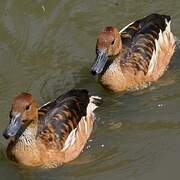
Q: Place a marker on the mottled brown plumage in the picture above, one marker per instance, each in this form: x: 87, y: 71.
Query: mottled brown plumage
x: 136, y: 55
x: 53, y: 134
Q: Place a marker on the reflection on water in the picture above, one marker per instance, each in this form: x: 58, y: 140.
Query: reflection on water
x: 47, y: 47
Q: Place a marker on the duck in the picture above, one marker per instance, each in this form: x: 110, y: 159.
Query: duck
x: 136, y: 56
x: 53, y: 134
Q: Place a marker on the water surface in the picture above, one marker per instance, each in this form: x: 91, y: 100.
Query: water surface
x: 47, y: 47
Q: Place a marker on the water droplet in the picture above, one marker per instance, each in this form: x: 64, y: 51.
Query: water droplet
x: 102, y: 145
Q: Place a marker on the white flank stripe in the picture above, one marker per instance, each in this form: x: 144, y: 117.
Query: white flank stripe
x: 79, y: 126
x: 74, y: 133
x: 152, y: 63
x: 172, y: 38
x: 70, y: 139
x: 165, y: 38
x: 85, y: 124
x: 161, y: 37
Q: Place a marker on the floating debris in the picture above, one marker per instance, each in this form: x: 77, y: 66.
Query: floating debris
x: 43, y: 8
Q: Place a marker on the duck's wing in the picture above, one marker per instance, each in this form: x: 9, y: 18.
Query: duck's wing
x: 147, y: 39
x: 148, y: 24
x: 60, y: 117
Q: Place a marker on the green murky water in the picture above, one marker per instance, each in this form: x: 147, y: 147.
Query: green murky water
x: 47, y: 47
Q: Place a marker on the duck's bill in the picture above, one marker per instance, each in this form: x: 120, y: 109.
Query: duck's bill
x: 100, y: 62
x: 13, y: 127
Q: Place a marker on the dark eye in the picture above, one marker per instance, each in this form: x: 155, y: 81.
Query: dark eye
x: 112, y: 42
x: 27, y: 107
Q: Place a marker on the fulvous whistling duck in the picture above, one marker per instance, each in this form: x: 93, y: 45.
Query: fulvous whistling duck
x: 135, y: 56
x: 53, y: 134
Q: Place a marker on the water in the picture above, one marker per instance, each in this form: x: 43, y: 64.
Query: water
x: 47, y: 47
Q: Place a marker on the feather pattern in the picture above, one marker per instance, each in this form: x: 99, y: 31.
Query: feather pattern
x: 61, y: 117
x: 145, y: 37
x: 135, y: 56
x: 55, y: 133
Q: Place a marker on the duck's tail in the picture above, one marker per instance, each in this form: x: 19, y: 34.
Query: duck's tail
x: 94, y: 102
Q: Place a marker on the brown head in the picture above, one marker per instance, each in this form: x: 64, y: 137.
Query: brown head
x: 108, y: 44
x: 23, y: 112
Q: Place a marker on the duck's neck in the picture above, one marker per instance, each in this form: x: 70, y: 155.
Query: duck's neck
x: 113, y: 77
x: 25, y: 149
x: 28, y: 137
x: 27, y: 140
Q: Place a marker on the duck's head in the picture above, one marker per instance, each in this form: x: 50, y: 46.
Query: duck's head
x: 108, y: 45
x: 23, y: 112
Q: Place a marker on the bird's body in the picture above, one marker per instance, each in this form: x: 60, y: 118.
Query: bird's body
x: 53, y: 134
x: 135, y: 56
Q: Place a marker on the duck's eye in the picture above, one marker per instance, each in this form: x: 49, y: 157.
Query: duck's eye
x: 112, y: 42
x: 27, y: 107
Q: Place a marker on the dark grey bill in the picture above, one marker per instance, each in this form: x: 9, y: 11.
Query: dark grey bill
x: 14, y: 126
x: 100, y: 62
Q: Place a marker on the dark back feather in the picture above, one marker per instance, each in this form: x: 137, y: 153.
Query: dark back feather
x: 58, y: 118
x: 139, y: 38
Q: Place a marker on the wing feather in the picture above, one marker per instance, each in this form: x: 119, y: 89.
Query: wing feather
x: 61, y: 117
x: 143, y: 40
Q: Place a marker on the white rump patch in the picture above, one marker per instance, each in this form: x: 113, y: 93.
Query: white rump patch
x: 125, y: 27
x: 168, y: 27
x: 92, y: 105
x: 164, y: 39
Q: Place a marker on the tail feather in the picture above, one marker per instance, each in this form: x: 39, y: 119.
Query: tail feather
x: 94, y: 102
